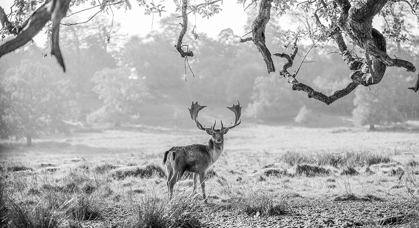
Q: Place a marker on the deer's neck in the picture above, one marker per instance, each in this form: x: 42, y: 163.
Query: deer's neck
x: 215, y: 150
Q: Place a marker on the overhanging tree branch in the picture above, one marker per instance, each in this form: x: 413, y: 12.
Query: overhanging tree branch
x: 179, y: 45
x: 60, y: 8
x: 296, y: 85
x: 34, y: 24
x: 258, y: 32
x: 358, y: 25
x: 53, y: 10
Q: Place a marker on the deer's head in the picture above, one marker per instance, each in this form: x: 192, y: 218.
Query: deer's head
x: 216, y: 134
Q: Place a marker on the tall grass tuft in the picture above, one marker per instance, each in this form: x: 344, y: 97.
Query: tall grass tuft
x: 259, y: 203
x: 83, y: 208
x: 184, y: 213
x: 152, y: 213
x: 155, y: 212
x: 4, y: 220
x: 15, y: 215
x: 20, y: 216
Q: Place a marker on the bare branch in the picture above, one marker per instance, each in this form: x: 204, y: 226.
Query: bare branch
x: 183, y: 54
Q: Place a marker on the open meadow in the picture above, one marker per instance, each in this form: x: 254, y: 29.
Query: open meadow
x: 268, y: 176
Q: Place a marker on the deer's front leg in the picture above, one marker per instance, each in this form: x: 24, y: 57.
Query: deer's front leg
x: 202, y: 180
x: 195, y: 180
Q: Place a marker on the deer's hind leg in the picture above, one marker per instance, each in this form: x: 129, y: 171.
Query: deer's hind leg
x: 169, y: 178
x: 171, y: 183
x: 177, y: 174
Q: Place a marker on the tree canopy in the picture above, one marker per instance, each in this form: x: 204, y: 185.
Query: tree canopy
x: 33, y: 101
x: 336, y: 22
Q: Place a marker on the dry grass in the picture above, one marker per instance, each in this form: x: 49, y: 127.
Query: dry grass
x: 153, y: 211
x: 116, y: 177
x: 351, y: 159
x: 259, y: 203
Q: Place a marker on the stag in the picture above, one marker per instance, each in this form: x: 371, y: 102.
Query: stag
x: 197, y: 158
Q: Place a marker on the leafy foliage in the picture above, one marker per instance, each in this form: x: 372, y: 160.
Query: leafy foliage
x: 378, y: 105
x: 33, y: 99
x: 122, y: 92
x: 272, y: 100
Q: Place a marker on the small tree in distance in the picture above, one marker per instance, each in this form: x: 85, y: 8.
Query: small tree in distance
x: 377, y: 105
x: 122, y: 93
x: 32, y: 101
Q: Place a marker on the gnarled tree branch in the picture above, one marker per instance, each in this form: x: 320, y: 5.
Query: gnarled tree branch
x: 178, y: 46
x: 34, y: 24
x: 296, y: 85
x: 258, y: 31
x: 356, y: 21
x: 60, y: 8
x: 53, y: 10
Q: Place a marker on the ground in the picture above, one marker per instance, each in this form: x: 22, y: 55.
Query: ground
x: 286, y: 175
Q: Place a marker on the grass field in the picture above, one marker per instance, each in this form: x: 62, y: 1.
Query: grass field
x: 115, y: 178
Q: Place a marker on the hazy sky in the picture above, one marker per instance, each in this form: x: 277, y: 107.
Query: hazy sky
x: 134, y: 22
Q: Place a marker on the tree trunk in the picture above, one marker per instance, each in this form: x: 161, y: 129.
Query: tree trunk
x: 372, y: 127
x: 28, y: 140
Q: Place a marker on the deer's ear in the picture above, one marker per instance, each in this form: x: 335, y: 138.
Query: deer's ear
x: 209, y: 131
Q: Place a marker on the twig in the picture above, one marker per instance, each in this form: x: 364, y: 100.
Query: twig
x: 78, y: 23
x: 186, y: 62
x: 203, y: 4
x: 190, y: 68
x: 82, y: 10
x: 408, y: 3
x: 109, y: 33
x: 309, y: 2
x: 305, y: 56
x: 245, y: 8
x: 116, y: 3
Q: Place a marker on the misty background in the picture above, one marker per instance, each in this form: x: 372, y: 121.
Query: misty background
x: 114, y: 79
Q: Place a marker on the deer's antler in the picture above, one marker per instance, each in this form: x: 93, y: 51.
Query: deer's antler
x: 237, y: 109
x: 195, y: 108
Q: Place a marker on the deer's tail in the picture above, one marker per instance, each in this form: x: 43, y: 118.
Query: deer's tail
x: 166, y: 153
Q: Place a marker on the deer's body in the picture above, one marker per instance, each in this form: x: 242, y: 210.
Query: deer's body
x: 193, y: 158
x: 196, y: 158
